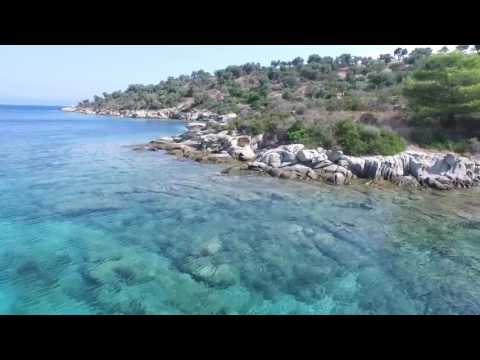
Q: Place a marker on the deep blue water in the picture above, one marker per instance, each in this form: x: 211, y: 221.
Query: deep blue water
x: 88, y: 226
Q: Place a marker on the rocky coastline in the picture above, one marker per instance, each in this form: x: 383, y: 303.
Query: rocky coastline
x: 209, y: 139
x: 178, y: 113
x: 206, y: 142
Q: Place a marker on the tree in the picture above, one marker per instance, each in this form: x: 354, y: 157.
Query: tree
x: 379, y: 79
x: 418, y: 54
x: 290, y: 81
x: 386, y: 57
x: 375, y: 66
x: 344, y: 60
x: 443, y: 49
x: 400, y: 53
x: 444, y: 86
x: 275, y: 63
x: 328, y: 60
x: 221, y: 74
x: 462, y: 48
x: 308, y: 72
x: 249, y: 68
x: 235, y: 70
x: 314, y: 58
x: 366, y: 60
x: 200, y: 75
x: 297, y: 62
x: 477, y: 48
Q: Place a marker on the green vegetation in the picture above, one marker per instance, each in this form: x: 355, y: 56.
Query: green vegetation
x: 447, y: 85
x: 310, y: 136
x: 445, y: 140
x: 353, y: 138
x: 356, y: 139
x: 274, y: 88
x: 305, y: 100
x: 271, y: 123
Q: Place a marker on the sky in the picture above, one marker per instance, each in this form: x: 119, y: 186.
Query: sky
x: 65, y: 75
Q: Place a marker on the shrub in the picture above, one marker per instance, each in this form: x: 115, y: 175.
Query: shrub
x: 356, y: 139
x: 333, y: 104
x: 353, y: 103
x: 348, y: 103
x: 318, y: 136
x: 287, y: 95
x: 309, y: 73
x: 320, y: 93
x: 300, y: 109
x: 260, y: 124
x: 290, y: 81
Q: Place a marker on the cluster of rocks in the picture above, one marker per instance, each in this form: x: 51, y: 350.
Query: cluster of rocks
x: 295, y: 162
x: 167, y: 113
x: 203, y: 142
x: 409, y: 168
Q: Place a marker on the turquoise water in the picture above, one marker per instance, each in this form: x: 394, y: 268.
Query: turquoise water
x: 88, y: 226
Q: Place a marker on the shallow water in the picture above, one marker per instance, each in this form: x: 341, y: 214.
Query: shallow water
x: 88, y: 226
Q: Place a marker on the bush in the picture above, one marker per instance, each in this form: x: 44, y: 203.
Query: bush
x: 300, y: 109
x: 260, y: 124
x: 290, y: 81
x: 353, y: 103
x: 333, y: 104
x: 287, y: 95
x: 347, y: 103
x: 356, y: 139
x: 309, y: 73
x: 228, y: 107
x: 318, y: 136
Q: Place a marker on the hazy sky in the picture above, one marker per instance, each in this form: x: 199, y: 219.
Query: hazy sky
x: 64, y: 75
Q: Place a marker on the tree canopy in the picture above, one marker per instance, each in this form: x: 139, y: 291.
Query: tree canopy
x: 447, y: 84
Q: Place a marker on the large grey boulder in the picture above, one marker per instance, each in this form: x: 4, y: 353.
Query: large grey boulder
x: 297, y: 172
x: 441, y: 171
x: 335, y: 174
x: 334, y: 155
x: 307, y: 155
x: 244, y: 153
x: 285, y: 155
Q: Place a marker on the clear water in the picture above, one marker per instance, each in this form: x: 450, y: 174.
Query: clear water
x: 88, y: 226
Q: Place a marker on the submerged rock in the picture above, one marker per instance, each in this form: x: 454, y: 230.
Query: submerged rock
x: 211, y: 247
x: 202, y: 269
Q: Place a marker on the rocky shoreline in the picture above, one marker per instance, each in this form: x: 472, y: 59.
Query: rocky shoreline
x: 205, y: 142
x: 208, y: 139
x: 178, y: 113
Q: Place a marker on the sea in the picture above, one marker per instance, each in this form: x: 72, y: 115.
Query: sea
x: 90, y: 226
